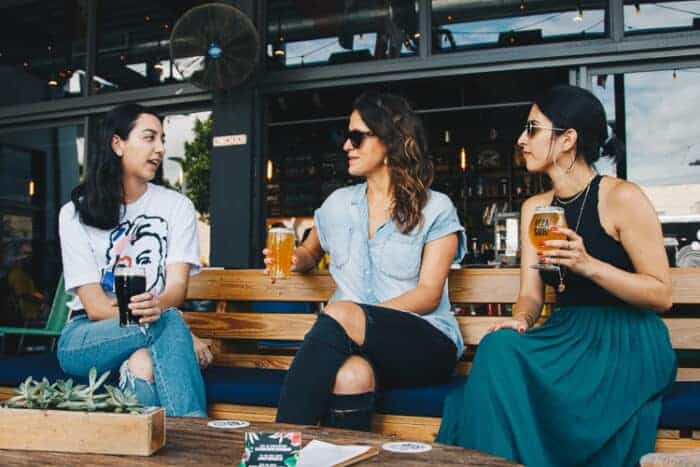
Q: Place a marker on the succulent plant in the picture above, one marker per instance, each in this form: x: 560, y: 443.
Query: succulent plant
x: 64, y: 395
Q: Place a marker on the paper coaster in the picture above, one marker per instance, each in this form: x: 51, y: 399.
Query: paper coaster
x: 406, y: 447
x: 228, y: 424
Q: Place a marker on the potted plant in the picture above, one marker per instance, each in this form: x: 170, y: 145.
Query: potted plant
x: 68, y: 417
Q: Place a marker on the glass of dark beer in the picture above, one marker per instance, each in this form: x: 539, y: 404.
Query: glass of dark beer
x: 128, y: 282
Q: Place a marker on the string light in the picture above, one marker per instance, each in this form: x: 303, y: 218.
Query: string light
x: 31, y: 188
x: 579, y: 15
x: 675, y: 75
x: 269, y: 170
x: 637, y: 8
x: 522, y: 6
x: 53, y: 82
x: 463, y: 159
x: 278, y: 45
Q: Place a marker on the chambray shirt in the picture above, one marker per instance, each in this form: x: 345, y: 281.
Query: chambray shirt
x: 373, y: 271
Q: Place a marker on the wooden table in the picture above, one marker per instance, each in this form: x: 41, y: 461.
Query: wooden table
x: 189, y: 441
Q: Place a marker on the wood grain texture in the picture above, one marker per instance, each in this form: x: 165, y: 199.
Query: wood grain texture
x: 235, y: 325
x: 191, y: 442
x: 82, y: 432
x: 269, y: 362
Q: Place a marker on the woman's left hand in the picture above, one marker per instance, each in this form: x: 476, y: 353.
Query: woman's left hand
x: 202, y: 351
x: 146, y: 307
x: 570, y: 253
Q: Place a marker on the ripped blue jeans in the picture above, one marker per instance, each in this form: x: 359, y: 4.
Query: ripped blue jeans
x: 177, y: 380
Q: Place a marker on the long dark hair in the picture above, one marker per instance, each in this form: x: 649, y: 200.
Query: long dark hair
x: 577, y: 108
x: 99, y: 199
x: 392, y: 119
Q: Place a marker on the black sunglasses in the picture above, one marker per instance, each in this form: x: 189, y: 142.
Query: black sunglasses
x: 357, y: 137
x: 532, y: 126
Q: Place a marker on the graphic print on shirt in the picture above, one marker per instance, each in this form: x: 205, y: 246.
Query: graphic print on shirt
x: 140, y: 242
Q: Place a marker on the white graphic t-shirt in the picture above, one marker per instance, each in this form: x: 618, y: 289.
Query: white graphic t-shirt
x: 158, y: 229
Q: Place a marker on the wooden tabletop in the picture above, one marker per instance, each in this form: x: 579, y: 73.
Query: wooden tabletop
x: 189, y: 441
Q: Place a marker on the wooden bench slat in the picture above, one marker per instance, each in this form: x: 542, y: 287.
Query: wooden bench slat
x: 283, y: 326
x: 268, y: 362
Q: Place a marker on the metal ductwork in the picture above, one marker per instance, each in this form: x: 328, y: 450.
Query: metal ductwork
x: 373, y: 19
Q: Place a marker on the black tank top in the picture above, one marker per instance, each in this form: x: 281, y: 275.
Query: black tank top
x: 600, y: 245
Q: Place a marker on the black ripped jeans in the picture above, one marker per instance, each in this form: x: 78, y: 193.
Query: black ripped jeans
x: 403, y: 349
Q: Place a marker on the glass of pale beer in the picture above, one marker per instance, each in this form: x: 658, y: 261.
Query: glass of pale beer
x: 280, y: 247
x: 540, y: 231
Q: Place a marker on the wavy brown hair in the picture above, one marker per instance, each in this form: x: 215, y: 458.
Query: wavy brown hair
x: 394, y: 122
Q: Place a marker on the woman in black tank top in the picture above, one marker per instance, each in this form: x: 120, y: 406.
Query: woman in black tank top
x: 559, y: 394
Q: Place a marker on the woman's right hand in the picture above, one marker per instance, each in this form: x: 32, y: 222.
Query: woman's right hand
x: 519, y: 325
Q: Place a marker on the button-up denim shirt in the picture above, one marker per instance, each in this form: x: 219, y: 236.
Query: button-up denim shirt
x: 374, y: 271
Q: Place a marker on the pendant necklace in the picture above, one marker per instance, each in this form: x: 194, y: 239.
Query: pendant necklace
x: 562, y: 287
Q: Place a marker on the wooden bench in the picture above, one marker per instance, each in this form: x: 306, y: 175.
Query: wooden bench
x: 233, y: 330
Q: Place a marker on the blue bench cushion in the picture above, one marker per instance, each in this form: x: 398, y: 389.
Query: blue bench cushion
x: 252, y: 386
x: 14, y: 369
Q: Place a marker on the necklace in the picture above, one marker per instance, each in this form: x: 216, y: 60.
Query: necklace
x: 562, y: 287
x: 577, y: 195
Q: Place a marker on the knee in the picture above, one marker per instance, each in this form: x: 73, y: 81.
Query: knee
x: 345, y: 313
x: 140, y: 365
x: 354, y: 377
x: 498, y: 342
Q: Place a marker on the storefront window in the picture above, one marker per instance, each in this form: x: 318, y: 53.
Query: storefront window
x: 312, y: 33
x: 662, y: 146
x: 133, y: 45
x: 38, y: 169
x: 643, y: 17
x: 463, y: 25
x: 186, y: 167
x: 42, y: 51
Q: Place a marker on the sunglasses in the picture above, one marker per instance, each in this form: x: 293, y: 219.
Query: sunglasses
x: 533, y: 126
x: 357, y: 137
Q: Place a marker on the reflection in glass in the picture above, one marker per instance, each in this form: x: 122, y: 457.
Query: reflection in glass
x: 42, y: 50
x: 38, y: 169
x: 662, y: 142
x: 462, y: 24
x: 133, y: 44
x: 661, y: 15
x: 181, y: 132
x: 307, y: 33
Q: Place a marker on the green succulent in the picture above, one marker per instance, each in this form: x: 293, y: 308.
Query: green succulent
x: 64, y: 395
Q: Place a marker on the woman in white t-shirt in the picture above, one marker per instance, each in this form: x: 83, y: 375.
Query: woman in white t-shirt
x: 117, y: 218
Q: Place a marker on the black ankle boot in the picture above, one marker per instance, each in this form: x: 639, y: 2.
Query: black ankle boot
x: 352, y: 412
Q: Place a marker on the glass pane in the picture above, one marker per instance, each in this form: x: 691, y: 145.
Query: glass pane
x: 604, y: 89
x: 662, y: 15
x: 462, y: 25
x: 312, y: 33
x: 42, y: 50
x: 38, y: 169
x: 133, y: 44
x: 662, y: 123
x: 187, y: 151
x: 660, y: 127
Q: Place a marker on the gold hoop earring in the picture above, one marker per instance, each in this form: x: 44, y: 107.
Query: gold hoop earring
x: 386, y: 161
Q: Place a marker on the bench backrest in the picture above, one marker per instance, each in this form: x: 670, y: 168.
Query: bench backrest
x: 233, y: 320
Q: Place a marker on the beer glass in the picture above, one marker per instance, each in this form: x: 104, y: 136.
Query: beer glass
x: 128, y: 282
x: 539, y: 231
x: 280, y: 247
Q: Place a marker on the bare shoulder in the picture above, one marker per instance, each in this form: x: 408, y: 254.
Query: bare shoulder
x: 622, y: 193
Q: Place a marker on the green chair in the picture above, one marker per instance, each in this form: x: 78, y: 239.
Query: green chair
x: 54, y: 323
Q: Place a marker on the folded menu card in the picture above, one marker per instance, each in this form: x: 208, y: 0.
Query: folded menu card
x: 321, y: 454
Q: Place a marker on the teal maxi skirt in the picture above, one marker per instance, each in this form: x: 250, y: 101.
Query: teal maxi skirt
x: 584, y: 389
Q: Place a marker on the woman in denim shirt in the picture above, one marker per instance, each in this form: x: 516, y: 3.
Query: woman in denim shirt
x: 391, y: 241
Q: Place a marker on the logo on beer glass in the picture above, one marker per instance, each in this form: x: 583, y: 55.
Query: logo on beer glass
x: 545, y: 217
x: 280, y: 246
x: 128, y: 281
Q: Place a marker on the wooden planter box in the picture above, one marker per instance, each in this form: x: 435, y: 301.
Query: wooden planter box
x: 82, y: 432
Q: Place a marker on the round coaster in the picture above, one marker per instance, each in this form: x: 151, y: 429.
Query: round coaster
x: 228, y: 424
x: 406, y: 447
